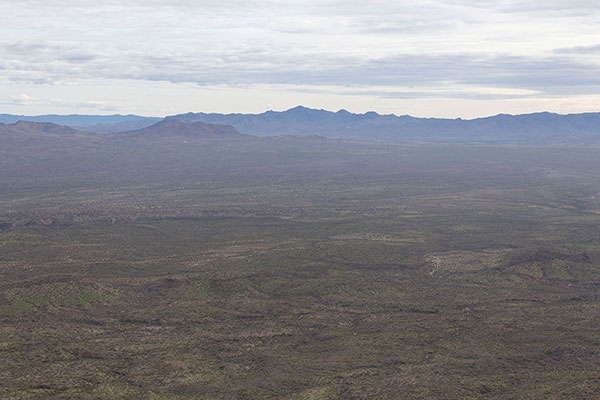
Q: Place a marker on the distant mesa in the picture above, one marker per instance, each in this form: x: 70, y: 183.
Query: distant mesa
x: 28, y: 127
x: 166, y: 128
x: 190, y: 129
x: 88, y: 123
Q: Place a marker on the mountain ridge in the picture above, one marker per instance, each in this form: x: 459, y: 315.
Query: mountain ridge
x: 29, y: 127
x: 501, y: 128
x: 165, y: 128
x: 91, y: 123
x: 539, y: 128
x: 185, y: 128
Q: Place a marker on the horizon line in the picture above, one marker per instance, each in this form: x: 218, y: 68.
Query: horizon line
x: 341, y: 110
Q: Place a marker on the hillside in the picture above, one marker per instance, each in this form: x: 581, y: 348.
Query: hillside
x: 42, y: 151
x: 24, y: 128
x: 185, y: 128
x: 90, y: 123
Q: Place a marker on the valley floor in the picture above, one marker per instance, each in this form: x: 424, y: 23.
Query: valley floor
x: 360, y: 272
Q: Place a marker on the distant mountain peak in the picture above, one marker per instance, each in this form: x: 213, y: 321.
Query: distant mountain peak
x: 302, y: 110
x: 299, y: 108
x: 543, y: 128
x: 170, y: 127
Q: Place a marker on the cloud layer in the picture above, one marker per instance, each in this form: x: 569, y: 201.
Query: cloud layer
x: 453, y: 49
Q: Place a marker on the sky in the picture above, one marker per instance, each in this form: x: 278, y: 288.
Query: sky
x: 428, y: 58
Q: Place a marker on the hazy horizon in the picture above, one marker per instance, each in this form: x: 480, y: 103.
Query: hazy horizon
x: 107, y: 114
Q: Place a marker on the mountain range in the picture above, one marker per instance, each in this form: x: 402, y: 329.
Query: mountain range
x: 527, y: 129
x: 90, y: 123
x: 538, y: 128
x: 164, y: 129
x: 43, y: 150
x: 189, y: 129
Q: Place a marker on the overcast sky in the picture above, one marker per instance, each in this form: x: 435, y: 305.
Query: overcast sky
x: 445, y: 58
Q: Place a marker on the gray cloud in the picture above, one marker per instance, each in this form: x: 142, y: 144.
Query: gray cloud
x: 595, y: 49
x: 43, y: 63
x: 427, y: 48
x: 564, y: 7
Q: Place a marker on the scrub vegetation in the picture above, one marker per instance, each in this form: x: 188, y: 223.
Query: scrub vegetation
x: 305, y: 269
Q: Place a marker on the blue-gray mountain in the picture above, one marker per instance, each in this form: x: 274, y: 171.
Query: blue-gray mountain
x: 539, y: 128
x: 527, y: 129
x: 89, y: 123
x: 164, y: 129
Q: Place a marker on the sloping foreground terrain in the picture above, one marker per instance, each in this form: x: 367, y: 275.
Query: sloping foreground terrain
x: 177, y: 267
